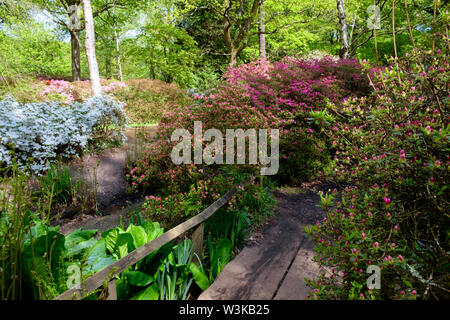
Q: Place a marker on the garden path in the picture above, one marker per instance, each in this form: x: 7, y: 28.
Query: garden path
x: 275, y: 266
x: 110, y: 172
x: 111, y: 184
x: 272, y: 266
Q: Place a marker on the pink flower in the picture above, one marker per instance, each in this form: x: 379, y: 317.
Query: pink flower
x: 387, y: 200
x: 376, y: 245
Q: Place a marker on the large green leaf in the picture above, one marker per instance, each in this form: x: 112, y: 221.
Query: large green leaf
x: 139, y: 235
x: 38, y: 229
x: 138, y: 278
x: 149, y: 293
x: 110, y: 237
x: 199, y: 276
x: 97, y: 258
x: 124, y: 244
x: 152, y: 229
x: 78, y: 236
x: 79, y: 248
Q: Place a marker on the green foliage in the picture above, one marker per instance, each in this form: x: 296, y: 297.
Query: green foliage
x: 28, y: 48
x: 219, y: 256
x: 393, y: 148
x: 147, y: 100
x: 58, y: 185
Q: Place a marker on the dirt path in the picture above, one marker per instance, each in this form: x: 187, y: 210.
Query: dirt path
x: 110, y: 173
x: 275, y: 267
x: 112, y: 199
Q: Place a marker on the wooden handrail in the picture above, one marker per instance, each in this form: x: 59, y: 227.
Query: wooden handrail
x: 110, y: 272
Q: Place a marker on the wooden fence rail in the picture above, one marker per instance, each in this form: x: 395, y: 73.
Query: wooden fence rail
x: 108, y: 274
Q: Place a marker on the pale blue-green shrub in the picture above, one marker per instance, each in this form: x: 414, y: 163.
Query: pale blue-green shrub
x: 35, y: 134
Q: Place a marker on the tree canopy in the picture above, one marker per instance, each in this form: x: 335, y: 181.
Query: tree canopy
x: 193, y: 42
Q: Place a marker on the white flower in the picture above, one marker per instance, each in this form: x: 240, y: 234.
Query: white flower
x: 40, y: 130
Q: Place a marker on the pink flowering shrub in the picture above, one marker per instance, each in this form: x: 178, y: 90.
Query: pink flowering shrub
x: 393, y: 148
x: 68, y: 92
x: 173, y: 209
x: 280, y: 96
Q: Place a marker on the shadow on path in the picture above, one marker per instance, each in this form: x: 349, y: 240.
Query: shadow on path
x: 276, y: 267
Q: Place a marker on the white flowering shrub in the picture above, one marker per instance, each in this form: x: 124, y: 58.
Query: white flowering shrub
x: 35, y: 134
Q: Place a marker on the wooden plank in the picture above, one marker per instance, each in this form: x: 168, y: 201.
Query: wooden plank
x: 96, y: 280
x: 112, y: 290
x: 197, y: 242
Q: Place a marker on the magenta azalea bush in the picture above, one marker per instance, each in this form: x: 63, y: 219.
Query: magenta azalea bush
x: 285, y: 95
x: 392, y: 147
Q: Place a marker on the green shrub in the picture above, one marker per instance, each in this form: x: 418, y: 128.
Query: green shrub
x: 147, y: 100
x: 393, y: 148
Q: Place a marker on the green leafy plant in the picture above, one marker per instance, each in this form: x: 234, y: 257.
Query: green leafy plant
x: 392, y: 147
x: 58, y: 183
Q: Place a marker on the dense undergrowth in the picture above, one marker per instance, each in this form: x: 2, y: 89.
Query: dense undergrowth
x: 393, y: 147
x: 38, y: 262
x: 144, y: 100
x: 383, y: 133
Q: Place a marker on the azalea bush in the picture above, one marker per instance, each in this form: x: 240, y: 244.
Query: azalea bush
x: 173, y: 209
x: 284, y: 95
x: 35, y: 134
x: 68, y: 92
x: 393, y: 148
x: 147, y: 100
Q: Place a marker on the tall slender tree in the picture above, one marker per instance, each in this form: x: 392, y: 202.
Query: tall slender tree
x: 262, y: 31
x: 90, y: 49
x: 66, y: 13
x: 343, y: 30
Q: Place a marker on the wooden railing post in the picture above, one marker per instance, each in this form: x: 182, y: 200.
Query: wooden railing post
x: 197, y: 242
x: 110, y: 272
x: 112, y: 290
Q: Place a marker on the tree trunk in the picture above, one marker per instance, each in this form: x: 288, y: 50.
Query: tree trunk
x: 76, y: 58
x: 233, y: 58
x: 119, y: 63
x: 108, y: 65
x: 90, y: 49
x: 375, y: 32
x: 74, y: 30
x: 344, y: 52
x: 238, y: 43
x: 262, y: 32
